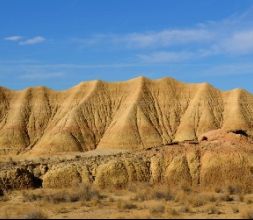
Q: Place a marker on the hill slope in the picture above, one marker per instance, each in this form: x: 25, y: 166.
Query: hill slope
x: 135, y: 114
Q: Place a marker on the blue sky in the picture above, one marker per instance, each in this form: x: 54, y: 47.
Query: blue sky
x: 59, y: 43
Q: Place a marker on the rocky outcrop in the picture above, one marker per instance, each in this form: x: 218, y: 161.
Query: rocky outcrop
x: 208, y: 164
x: 119, y: 173
x: 221, y: 159
x: 18, y: 178
x: 66, y: 176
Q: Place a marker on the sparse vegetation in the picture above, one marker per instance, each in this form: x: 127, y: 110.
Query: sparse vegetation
x: 35, y: 214
x: 157, y: 209
x: 125, y: 205
x: 81, y: 193
x: 211, y: 210
x: 172, y: 211
x: 235, y: 209
x: 226, y: 198
x: 160, y: 192
x: 184, y: 209
x: 182, y: 204
x: 247, y: 213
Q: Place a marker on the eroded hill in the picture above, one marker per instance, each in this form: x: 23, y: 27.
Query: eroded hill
x: 135, y: 114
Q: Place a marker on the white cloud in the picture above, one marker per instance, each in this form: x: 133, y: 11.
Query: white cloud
x: 41, y: 75
x: 234, y: 69
x: 32, y: 41
x: 238, y: 43
x: 232, y: 36
x: 13, y: 38
x: 165, y: 57
x: 164, y: 38
x: 168, y: 38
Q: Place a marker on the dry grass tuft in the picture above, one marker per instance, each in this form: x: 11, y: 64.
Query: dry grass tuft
x: 35, y: 214
x: 226, y: 198
x: 249, y: 201
x: 81, y: 193
x: 4, y: 197
x: 247, y: 214
x: 184, y: 209
x: 232, y: 190
x: 235, y: 209
x: 171, y: 211
x: 211, y: 210
x: 161, y: 192
x: 157, y: 209
x: 125, y: 205
x: 197, y: 200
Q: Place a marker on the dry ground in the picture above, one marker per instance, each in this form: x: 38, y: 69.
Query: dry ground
x: 136, y: 201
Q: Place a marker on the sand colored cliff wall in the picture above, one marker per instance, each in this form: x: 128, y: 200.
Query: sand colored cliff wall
x: 135, y: 114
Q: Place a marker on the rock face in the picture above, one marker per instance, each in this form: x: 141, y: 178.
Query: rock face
x: 208, y: 164
x: 118, y: 173
x: 18, y: 178
x: 135, y: 114
x: 66, y: 176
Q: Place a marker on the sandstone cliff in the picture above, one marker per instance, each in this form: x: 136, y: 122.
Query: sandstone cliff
x: 135, y: 114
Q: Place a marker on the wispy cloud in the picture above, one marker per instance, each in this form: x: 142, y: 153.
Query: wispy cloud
x: 41, y: 75
x: 26, y: 41
x: 240, y: 42
x: 234, y: 69
x: 165, y: 57
x: 232, y: 36
x: 159, y: 39
x: 32, y: 41
x: 13, y: 38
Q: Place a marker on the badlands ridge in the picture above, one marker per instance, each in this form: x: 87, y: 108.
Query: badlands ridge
x: 132, y: 115
x: 170, y: 132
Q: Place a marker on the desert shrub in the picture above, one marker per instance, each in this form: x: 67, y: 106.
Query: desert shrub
x: 218, y: 190
x: 184, y: 209
x: 137, y: 186
x: 197, y: 200
x: 247, y: 214
x: 31, y: 196
x: 81, y: 193
x: 211, y: 210
x: 157, y: 209
x: 186, y: 188
x: 154, y: 193
x: 233, y: 190
x: 1, y: 192
x: 4, y: 196
x: 241, y: 197
x: 226, y: 198
x: 249, y: 201
x: 111, y: 200
x: 181, y: 197
x: 35, y: 214
x: 125, y: 205
x: 171, y: 211
x: 235, y: 209
x: 212, y: 198
x: 11, y: 161
x: 162, y: 194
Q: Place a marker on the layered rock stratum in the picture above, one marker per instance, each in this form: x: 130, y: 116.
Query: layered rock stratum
x: 223, y: 159
x: 136, y: 114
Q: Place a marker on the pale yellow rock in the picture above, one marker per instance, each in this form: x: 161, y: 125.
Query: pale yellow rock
x: 134, y: 114
x: 118, y: 173
x: 178, y: 172
x: 226, y: 169
x: 66, y: 176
